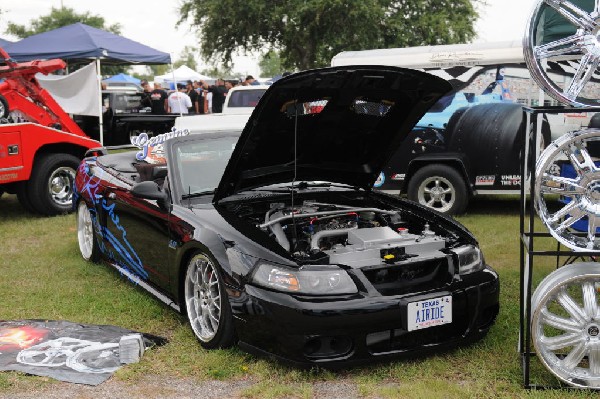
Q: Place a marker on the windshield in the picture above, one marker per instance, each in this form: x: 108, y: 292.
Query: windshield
x: 202, y: 163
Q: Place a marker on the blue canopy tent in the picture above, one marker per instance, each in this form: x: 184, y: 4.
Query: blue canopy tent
x: 79, y: 43
x: 4, y: 43
x: 122, y: 77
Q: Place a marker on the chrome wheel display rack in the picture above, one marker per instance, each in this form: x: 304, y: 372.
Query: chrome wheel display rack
x: 529, y: 237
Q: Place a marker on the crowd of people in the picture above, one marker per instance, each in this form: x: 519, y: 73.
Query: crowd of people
x: 194, y: 97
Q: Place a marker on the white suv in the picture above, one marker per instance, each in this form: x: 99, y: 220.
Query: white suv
x: 243, y: 99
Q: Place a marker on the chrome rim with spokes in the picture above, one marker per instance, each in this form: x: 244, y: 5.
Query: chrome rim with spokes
x: 580, y: 51
x: 60, y: 185
x: 203, y: 297
x: 85, y: 231
x: 437, y: 192
x: 580, y: 193
x: 565, y: 325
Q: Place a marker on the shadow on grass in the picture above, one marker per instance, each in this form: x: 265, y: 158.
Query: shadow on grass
x: 492, y: 204
x: 12, y: 211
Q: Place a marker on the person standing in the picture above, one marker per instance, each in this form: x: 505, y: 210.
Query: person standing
x: 158, y: 98
x: 178, y: 101
x: 193, y: 95
x: 218, y: 95
x: 145, y: 101
x: 250, y: 81
x: 200, y: 99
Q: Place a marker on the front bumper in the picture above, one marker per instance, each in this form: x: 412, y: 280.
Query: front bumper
x: 335, y: 332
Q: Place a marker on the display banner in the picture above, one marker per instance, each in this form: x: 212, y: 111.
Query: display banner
x: 77, y: 93
x: 79, y: 353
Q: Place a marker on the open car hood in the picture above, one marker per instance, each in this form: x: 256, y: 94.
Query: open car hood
x: 341, y: 125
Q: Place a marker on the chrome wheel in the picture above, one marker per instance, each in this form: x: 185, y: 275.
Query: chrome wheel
x: 579, y: 190
x: 85, y: 233
x: 565, y: 324
x: 203, y: 297
x: 577, y: 52
x: 438, y: 193
x: 60, y: 185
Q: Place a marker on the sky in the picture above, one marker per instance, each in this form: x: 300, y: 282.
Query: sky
x: 153, y: 22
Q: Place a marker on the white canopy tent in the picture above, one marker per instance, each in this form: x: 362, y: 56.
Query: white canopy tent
x: 181, y: 75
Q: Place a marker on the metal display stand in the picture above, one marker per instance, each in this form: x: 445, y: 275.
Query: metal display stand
x: 528, y: 235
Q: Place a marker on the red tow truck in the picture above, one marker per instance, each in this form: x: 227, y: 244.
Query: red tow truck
x: 40, y: 145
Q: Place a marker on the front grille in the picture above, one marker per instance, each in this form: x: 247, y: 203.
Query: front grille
x: 410, y: 277
x: 401, y: 340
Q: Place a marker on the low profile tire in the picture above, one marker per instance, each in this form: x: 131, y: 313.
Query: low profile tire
x: 3, y: 107
x: 565, y: 324
x: 439, y: 187
x: 50, y: 188
x: 86, y: 235
x: 206, y: 303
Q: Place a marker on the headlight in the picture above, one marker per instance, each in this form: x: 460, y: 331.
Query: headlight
x: 312, y: 280
x: 469, y: 259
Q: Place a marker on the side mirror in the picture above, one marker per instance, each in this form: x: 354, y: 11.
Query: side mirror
x: 149, y: 190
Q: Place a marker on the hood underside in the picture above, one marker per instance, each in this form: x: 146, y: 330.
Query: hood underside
x: 336, y: 124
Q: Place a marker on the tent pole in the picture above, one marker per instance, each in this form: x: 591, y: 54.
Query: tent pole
x: 100, y: 119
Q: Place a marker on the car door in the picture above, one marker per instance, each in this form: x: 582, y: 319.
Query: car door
x: 138, y: 232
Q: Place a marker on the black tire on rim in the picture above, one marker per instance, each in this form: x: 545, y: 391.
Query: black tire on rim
x: 3, y: 107
x: 50, y: 187
x: 206, y: 304
x: 440, y: 187
x: 86, y: 234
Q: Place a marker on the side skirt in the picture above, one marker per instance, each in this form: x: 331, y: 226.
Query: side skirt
x: 138, y: 281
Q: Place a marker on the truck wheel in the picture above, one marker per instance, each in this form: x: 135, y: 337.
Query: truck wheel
x: 439, y: 187
x: 3, y: 107
x: 50, y: 188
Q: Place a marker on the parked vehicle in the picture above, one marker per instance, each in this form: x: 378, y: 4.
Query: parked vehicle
x: 243, y: 99
x: 125, y: 117
x: 276, y: 239
x: 40, y: 145
x: 470, y: 142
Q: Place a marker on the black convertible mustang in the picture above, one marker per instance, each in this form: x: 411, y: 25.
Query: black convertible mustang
x: 274, y: 239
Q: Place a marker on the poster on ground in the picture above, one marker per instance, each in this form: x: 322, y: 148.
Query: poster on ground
x: 71, y: 352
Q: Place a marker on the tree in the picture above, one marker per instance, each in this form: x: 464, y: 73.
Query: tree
x: 309, y: 33
x: 219, y: 71
x: 57, y: 18
x: 270, y: 64
x: 187, y: 57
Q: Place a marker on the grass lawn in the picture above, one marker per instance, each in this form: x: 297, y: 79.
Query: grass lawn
x: 44, y: 277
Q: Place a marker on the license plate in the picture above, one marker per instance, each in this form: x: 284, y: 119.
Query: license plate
x: 429, y: 313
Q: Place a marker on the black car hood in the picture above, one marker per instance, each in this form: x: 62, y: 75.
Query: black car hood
x: 340, y: 124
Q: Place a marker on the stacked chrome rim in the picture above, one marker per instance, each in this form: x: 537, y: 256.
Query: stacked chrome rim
x: 565, y: 320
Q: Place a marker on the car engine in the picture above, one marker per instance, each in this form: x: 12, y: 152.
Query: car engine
x: 354, y: 236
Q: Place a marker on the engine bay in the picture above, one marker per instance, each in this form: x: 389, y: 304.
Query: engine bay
x: 356, y: 236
